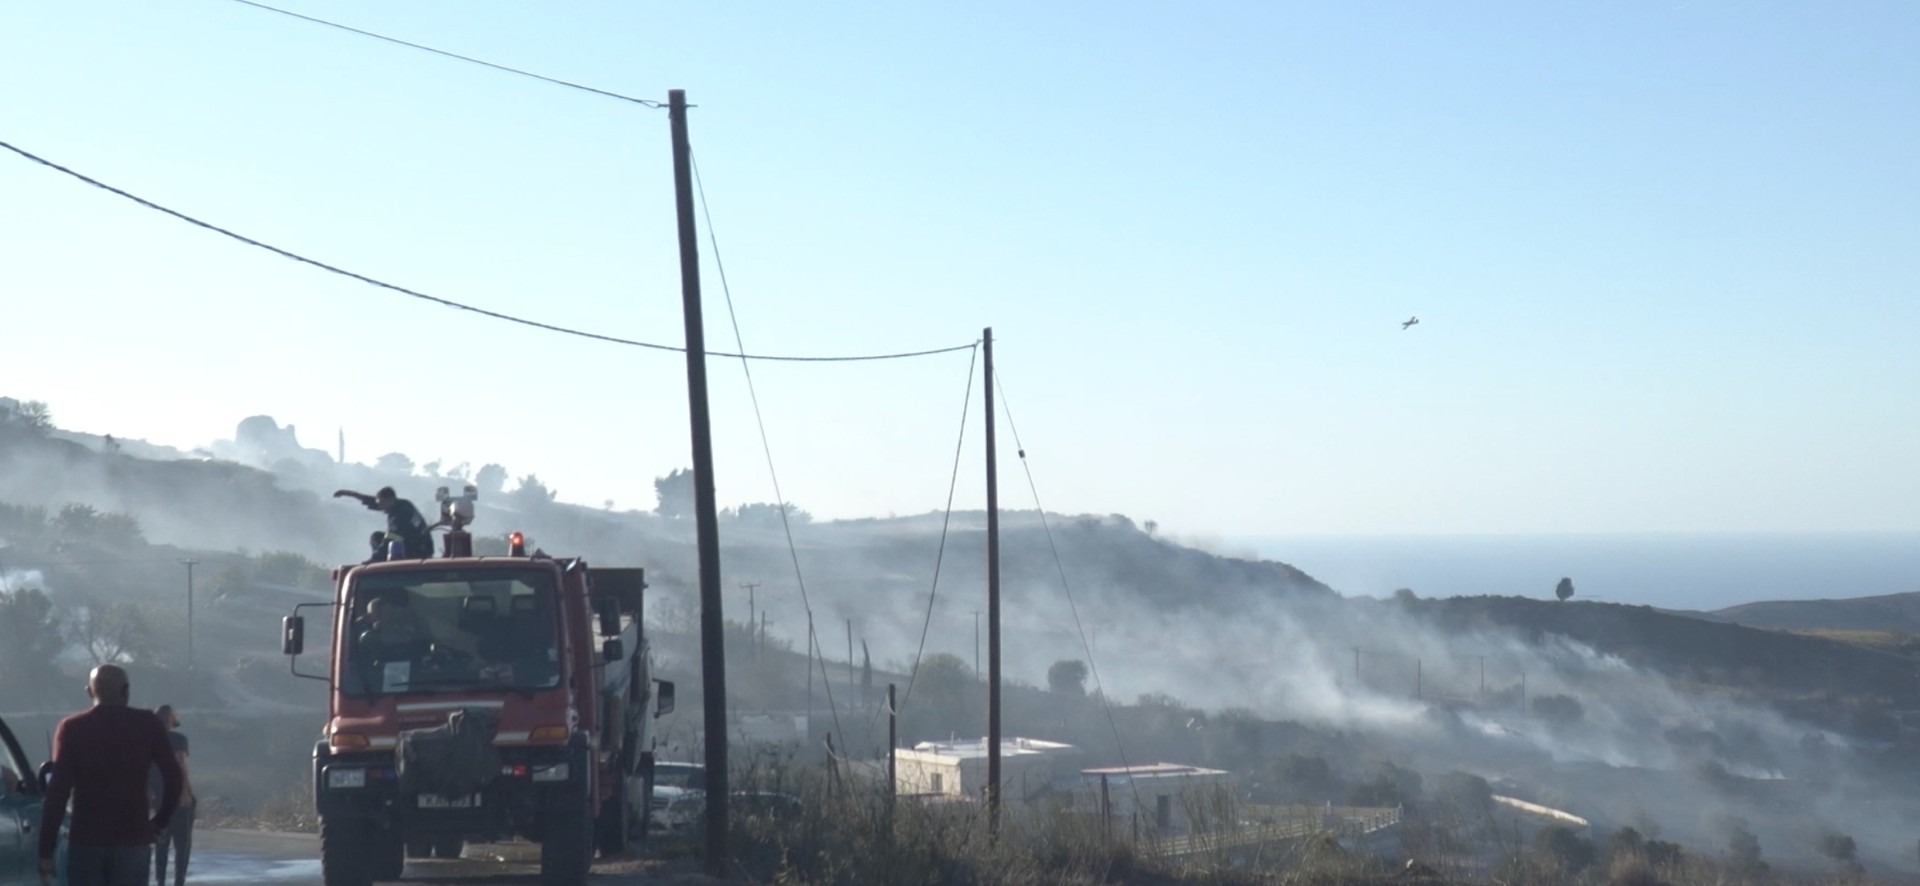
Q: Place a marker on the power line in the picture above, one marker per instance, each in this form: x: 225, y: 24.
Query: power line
x: 966, y: 403
x: 644, y: 102
x: 523, y: 321
x: 780, y: 499
x: 1099, y: 687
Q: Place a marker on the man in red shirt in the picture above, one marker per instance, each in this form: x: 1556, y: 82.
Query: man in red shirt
x: 100, y: 760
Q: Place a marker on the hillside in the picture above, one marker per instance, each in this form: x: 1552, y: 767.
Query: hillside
x: 1888, y: 612
x: 1695, y: 650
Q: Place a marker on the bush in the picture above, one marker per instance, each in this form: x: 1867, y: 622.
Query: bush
x: 1572, y: 852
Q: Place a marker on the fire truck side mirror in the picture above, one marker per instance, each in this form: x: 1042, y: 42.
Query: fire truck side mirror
x: 663, y: 698
x: 293, y: 635
x: 612, y: 650
x: 608, y: 609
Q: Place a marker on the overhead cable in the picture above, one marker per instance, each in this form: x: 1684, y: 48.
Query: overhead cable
x: 449, y: 303
x: 940, y: 554
x: 780, y: 499
x: 1041, y: 509
x: 644, y: 102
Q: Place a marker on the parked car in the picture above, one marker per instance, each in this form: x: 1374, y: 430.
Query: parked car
x: 20, y: 794
x: 679, y: 798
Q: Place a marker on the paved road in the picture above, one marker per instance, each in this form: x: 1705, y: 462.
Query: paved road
x: 221, y: 856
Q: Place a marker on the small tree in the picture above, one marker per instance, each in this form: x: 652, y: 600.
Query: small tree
x: 675, y: 494
x: 491, y: 479
x: 35, y: 416
x: 394, y: 462
x: 1068, y: 676
x: 1564, y: 589
x: 111, y: 633
x: 1572, y: 852
x: 531, y: 493
x: 31, y: 635
x: 1559, y: 710
x: 1842, y: 849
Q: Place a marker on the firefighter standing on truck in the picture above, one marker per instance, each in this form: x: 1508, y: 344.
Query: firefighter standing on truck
x: 404, y: 522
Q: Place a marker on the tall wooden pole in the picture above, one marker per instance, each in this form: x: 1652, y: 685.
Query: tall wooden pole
x: 993, y: 599
x: 893, y: 742
x: 713, y: 657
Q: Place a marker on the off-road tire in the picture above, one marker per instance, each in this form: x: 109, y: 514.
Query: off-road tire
x: 612, y: 826
x: 346, y: 850
x: 566, y: 847
x: 419, y: 847
x: 448, y: 847
x: 389, y: 855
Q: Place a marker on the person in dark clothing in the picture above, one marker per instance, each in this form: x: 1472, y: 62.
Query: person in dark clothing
x: 404, y: 521
x: 100, y: 762
x: 178, y: 836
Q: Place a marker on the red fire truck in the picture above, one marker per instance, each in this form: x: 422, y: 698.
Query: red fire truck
x: 478, y: 699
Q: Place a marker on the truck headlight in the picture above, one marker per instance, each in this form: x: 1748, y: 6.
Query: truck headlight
x: 556, y: 772
x: 338, y: 779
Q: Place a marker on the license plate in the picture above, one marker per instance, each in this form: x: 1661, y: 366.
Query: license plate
x: 435, y: 801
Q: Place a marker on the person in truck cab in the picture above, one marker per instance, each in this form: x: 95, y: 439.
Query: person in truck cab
x: 404, y: 521
x: 391, y: 628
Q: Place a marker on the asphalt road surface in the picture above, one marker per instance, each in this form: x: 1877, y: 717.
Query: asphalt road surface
x: 221, y: 856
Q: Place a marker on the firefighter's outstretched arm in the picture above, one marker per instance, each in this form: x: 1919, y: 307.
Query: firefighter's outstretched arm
x: 361, y: 497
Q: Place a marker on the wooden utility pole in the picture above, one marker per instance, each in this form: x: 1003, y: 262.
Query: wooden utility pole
x: 713, y: 657
x: 753, y: 620
x: 893, y: 742
x: 993, y: 598
x: 190, y: 564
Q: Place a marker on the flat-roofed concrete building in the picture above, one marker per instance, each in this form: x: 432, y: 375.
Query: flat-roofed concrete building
x: 1163, y: 798
x: 1029, y: 767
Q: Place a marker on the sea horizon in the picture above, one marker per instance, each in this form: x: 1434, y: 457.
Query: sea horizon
x: 1676, y: 570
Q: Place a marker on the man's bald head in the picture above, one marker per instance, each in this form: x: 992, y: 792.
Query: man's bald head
x: 108, y: 684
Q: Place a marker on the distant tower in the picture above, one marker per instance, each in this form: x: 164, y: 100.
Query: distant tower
x: 343, y: 445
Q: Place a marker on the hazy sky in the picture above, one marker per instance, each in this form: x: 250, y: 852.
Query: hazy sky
x: 1664, y: 254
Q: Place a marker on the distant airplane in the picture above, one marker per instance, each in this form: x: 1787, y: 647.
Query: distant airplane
x: 1411, y: 321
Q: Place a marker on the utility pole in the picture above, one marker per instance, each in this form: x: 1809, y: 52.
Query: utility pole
x: 993, y: 598
x: 752, y: 620
x: 811, y: 646
x: 976, y: 644
x: 893, y: 742
x: 713, y: 658
x: 190, y: 564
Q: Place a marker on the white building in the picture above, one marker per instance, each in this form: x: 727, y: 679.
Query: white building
x: 1029, y: 767
x: 1161, y: 798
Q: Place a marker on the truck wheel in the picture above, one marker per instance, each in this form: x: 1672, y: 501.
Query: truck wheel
x: 610, y: 828
x: 448, y: 847
x: 389, y: 853
x: 566, y: 850
x: 419, y: 847
x: 345, y: 855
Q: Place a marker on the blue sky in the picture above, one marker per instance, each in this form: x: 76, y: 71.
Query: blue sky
x: 1663, y: 253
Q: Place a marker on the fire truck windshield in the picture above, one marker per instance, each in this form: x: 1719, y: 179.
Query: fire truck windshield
x: 450, y: 631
